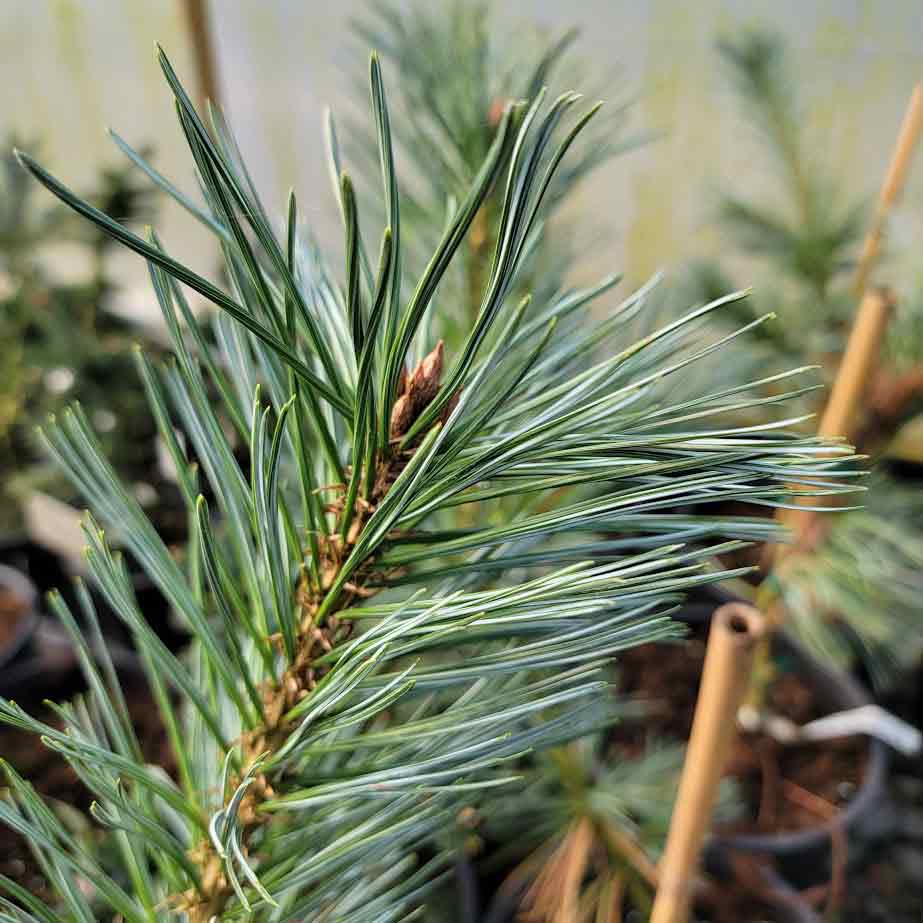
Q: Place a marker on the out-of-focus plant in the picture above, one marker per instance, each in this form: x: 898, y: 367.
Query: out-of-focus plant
x: 857, y: 590
x: 57, y: 340
x: 804, y: 227
x: 587, y: 828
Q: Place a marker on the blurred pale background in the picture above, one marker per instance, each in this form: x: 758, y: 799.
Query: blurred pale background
x: 69, y: 68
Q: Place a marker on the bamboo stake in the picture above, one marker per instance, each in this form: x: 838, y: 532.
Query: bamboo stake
x: 735, y: 630
x: 849, y: 386
x: 875, y: 308
x: 203, y: 50
x: 857, y: 364
x: 910, y: 131
x: 574, y: 862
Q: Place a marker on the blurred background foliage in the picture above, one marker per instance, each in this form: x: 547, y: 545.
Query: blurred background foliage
x: 59, y: 341
x: 280, y: 62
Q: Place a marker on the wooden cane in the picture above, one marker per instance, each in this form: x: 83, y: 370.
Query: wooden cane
x: 735, y: 630
x: 203, y: 49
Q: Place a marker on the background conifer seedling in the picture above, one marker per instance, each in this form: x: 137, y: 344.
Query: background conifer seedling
x: 857, y: 591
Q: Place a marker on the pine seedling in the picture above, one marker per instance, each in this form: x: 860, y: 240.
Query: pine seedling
x: 853, y: 593
x: 358, y: 672
x: 808, y: 229
x: 587, y: 829
x: 492, y: 62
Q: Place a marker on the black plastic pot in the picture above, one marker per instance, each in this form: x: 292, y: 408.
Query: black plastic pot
x: 50, y: 570
x: 803, y: 858
x: 787, y: 904
x: 153, y: 605
x: 42, y: 567
x: 40, y: 662
x: 50, y: 672
x: 18, y: 645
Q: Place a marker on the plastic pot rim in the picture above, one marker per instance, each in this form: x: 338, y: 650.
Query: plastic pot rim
x: 21, y: 586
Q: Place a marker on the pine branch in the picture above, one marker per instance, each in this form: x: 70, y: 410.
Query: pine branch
x: 331, y: 723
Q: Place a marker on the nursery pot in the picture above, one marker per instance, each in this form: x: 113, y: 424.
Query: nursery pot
x: 803, y: 857
x: 18, y: 615
x: 799, y: 859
